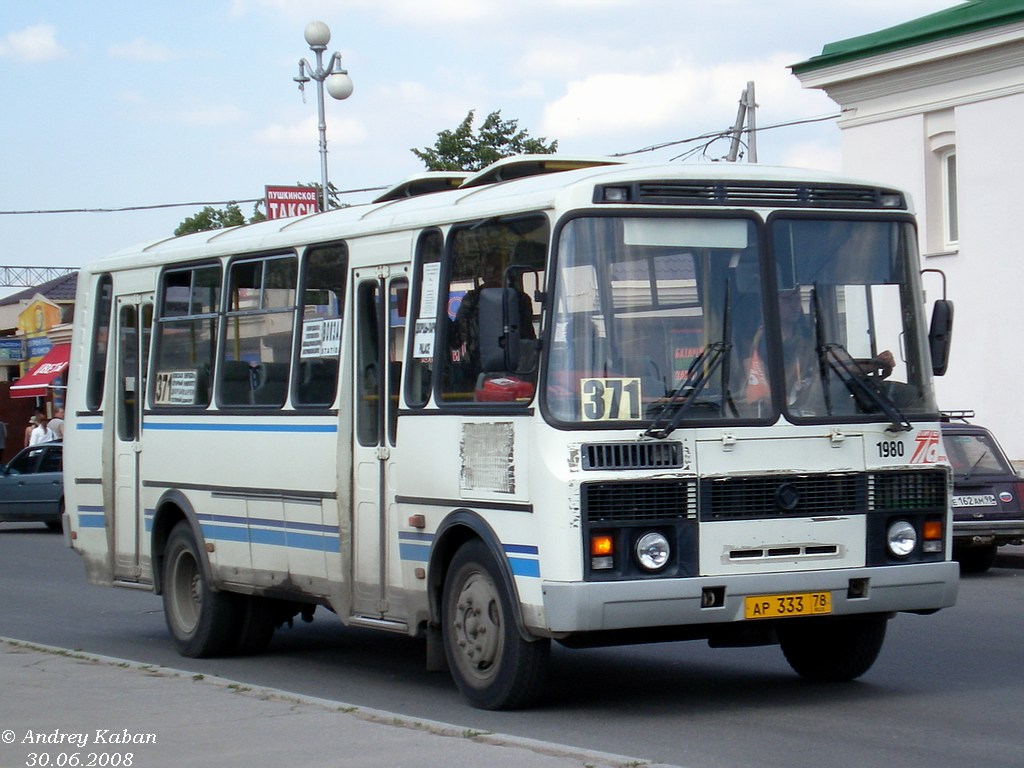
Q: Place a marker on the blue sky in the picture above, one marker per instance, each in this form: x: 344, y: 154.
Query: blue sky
x: 113, y: 104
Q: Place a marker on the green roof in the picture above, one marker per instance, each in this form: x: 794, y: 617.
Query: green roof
x: 961, y: 19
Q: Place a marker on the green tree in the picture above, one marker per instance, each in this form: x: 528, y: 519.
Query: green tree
x: 467, y: 150
x: 218, y: 218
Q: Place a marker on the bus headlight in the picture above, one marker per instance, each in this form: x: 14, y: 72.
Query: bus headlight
x: 901, y: 538
x: 652, y: 551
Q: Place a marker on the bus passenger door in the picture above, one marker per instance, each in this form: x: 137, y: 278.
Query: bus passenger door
x: 134, y: 325
x: 381, y: 295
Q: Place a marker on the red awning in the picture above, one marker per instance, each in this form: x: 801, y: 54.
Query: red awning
x: 35, y: 382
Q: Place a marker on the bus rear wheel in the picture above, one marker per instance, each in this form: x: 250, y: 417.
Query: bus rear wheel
x: 493, y: 666
x: 202, y: 621
x: 832, y: 650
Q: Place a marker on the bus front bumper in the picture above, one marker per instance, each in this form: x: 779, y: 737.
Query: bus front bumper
x: 600, y: 606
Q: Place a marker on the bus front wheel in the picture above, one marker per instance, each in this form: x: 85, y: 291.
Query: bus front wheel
x: 493, y: 666
x: 201, y: 621
x: 834, y: 649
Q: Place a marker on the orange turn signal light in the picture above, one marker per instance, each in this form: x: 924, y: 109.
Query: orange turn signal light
x: 932, y: 530
x: 601, y: 545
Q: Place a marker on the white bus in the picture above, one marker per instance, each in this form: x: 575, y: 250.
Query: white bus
x: 582, y: 401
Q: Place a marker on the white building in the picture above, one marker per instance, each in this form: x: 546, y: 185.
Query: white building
x: 933, y: 106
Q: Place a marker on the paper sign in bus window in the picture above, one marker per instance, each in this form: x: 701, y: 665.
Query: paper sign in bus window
x: 176, y: 387
x: 321, y: 338
x: 615, y: 399
x: 423, y: 341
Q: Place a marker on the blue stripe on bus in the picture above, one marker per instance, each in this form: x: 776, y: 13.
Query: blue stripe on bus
x: 91, y: 517
x: 274, y: 533
x: 418, y: 553
x: 81, y: 425
x: 521, y: 567
x: 225, y: 532
x: 415, y: 547
x: 267, y: 522
x: 521, y: 549
x: 214, y: 426
x: 294, y: 540
x: 296, y: 526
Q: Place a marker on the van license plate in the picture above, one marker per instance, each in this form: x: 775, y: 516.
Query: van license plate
x: 979, y: 500
x: 784, y: 606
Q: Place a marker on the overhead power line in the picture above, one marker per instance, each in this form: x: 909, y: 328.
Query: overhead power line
x: 713, y: 135
x: 156, y: 206
x: 708, y: 138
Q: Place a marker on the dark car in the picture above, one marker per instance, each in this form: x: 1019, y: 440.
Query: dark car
x: 32, y: 486
x: 987, y: 494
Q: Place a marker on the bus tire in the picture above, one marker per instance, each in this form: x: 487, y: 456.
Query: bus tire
x: 832, y: 650
x: 202, y: 622
x: 255, y: 625
x: 493, y: 666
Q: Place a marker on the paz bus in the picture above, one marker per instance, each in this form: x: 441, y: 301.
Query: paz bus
x: 569, y: 400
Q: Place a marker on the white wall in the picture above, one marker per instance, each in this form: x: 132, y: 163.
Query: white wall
x: 986, y: 272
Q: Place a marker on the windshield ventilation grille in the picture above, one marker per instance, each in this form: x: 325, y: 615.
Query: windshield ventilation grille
x: 908, y: 490
x: 753, y: 194
x: 632, y: 455
x: 639, y: 502
x: 776, y: 496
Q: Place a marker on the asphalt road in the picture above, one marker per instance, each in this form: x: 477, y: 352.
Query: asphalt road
x: 946, y: 690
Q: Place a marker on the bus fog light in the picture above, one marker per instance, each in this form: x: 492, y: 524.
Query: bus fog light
x: 902, y: 538
x: 652, y: 551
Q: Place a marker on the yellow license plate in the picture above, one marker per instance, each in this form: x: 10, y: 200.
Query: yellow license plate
x: 784, y: 606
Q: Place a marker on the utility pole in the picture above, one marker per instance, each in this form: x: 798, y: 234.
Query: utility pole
x: 745, y: 115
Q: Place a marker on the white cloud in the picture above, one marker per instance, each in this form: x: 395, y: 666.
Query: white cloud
x: 681, y: 97
x: 344, y: 132
x: 35, y: 43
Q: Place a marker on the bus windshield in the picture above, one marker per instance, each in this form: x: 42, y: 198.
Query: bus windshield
x: 664, y: 321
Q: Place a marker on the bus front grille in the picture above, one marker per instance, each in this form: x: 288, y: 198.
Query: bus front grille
x: 813, y: 495
x: 643, y: 501
x: 908, y: 490
x: 632, y: 455
x: 768, y: 496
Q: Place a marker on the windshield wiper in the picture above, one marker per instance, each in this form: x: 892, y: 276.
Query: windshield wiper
x: 848, y: 370
x: 969, y: 472
x: 833, y: 355
x: 698, y: 375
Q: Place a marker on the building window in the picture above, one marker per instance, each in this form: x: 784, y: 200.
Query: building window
x: 950, y: 222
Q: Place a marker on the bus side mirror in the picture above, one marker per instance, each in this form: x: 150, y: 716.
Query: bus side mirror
x: 940, y: 335
x: 499, y: 329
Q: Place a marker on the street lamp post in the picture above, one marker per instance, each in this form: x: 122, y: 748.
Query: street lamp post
x: 339, y: 85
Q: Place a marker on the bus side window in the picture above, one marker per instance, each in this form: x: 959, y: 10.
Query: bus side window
x: 398, y: 314
x: 319, y: 344
x: 492, y: 265
x: 259, y: 329
x: 100, y: 335
x: 422, y: 330
x: 185, y: 335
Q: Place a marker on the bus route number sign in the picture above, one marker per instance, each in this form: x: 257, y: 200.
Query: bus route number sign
x: 610, y: 399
